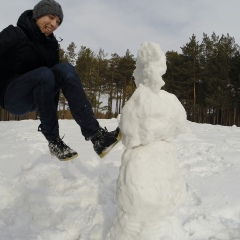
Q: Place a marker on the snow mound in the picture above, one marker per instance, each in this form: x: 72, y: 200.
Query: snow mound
x: 150, y: 185
x: 149, y: 117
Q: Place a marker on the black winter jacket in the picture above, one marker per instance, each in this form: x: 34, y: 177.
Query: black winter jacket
x: 24, y: 48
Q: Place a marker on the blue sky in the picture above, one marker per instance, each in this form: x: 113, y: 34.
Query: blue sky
x: 118, y: 25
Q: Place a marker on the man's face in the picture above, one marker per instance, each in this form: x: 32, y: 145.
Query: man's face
x: 48, y: 23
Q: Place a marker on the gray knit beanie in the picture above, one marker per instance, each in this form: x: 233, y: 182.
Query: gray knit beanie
x: 45, y: 7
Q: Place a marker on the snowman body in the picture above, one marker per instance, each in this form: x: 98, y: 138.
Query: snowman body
x: 150, y: 186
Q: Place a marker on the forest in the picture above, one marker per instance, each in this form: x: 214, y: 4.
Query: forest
x: 205, y: 76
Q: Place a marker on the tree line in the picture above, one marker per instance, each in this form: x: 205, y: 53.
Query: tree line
x: 206, y: 79
x: 108, y: 82
x: 205, y: 76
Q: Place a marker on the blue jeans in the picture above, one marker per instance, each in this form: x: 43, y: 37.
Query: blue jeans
x: 38, y: 90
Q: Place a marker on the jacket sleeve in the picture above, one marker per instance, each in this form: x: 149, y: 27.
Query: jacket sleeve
x: 9, y: 38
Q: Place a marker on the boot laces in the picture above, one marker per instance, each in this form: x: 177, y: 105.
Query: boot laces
x: 59, y: 144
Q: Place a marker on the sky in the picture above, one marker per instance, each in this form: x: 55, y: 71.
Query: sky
x: 116, y: 26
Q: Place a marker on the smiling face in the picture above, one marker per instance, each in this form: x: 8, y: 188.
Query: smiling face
x: 48, y: 23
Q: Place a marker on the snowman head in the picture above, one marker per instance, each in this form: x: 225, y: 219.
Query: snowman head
x: 150, y: 66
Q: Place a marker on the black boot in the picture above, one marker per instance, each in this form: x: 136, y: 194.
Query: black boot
x: 103, y: 141
x: 59, y: 149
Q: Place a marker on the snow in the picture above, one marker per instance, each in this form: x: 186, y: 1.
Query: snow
x: 43, y: 198
x: 150, y: 66
x: 147, y: 117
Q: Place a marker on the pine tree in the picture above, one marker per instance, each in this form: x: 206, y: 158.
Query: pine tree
x: 62, y: 55
x: 125, y: 68
x: 112, y: 90
x: 71, y: 54
x: 191, y: 69
x: 174, y: 77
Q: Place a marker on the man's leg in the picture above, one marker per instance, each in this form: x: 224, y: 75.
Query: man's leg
x: 67, y: 79
x: 34, y: 91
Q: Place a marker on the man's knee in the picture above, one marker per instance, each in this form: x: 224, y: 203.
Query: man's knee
x: 65, y: 73
x: 63, y: 68
x: 44, y: 75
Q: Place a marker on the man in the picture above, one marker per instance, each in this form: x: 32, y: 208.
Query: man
x: 31, y: 78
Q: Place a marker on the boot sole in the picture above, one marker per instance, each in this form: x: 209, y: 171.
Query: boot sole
x: 65, y: 159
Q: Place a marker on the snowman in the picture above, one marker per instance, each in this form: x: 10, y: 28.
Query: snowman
x: 150, y: 186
